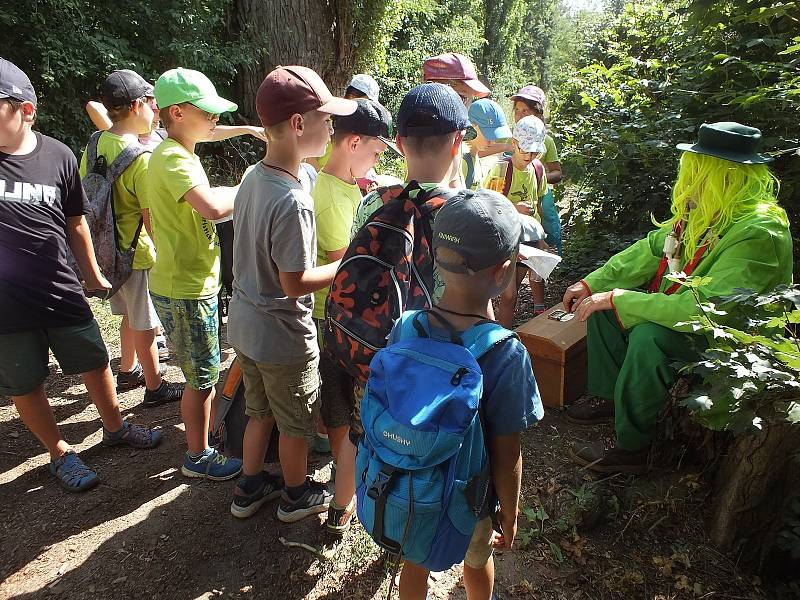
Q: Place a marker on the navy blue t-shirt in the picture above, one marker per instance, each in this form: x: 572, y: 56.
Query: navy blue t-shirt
x: 39, y: 191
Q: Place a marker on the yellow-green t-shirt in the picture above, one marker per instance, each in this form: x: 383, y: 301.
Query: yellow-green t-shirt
x: 550, y: 151
x: 523, y: 188
x: 323, y: 160
x: 187, y: 260
x: 130, y: 197
x: 335, y: 204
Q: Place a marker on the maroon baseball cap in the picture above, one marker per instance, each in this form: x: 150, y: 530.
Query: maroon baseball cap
x: 454, y: 66
x: 292, y: 90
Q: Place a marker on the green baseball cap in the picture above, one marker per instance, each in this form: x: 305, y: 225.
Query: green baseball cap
x: 185, y: 85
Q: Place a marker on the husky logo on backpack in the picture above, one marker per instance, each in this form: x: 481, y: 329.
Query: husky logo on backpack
x: 115, y: 263
x: 422, y: 470
x: 387, y: 268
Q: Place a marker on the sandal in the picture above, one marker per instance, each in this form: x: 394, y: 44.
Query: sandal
x: 72, y: 474
x: 134, y: 436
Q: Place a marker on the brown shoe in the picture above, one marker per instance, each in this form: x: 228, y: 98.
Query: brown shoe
x: 615, y: 460
x: 590, y: 411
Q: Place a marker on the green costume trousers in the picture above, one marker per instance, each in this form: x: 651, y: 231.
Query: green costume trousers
x: 634, y: 368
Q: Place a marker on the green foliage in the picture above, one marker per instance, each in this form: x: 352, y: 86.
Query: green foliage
x: 67, y: 48
x: 655, y: 73
x: 751, y: 365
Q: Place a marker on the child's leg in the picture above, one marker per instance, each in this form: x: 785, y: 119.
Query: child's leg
x: 37, y: 415
x: 127, y: 346
x: 345, y: 473
x: 293, y: 454
x: 537, y: 291
x: 478, y: 563
x: 507, y: 304
x: 413, y: 582
x: 100, y: 385
x: 196, y: 411
x: 147, y: 351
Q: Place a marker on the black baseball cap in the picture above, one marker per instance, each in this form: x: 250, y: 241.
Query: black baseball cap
x: 482, y: 227
x: 123, y: 87
x: 15, y: 84
x: 431, y: 109
x: 370, y: 118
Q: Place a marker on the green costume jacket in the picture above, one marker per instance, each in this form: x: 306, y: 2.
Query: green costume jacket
x: 755, y: 253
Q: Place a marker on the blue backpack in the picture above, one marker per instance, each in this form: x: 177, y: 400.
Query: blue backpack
x: 422, y: 470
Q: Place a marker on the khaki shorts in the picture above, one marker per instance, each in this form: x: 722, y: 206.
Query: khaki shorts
x: 480, y: 546
x: 133, y: 300
x: 290, y: 393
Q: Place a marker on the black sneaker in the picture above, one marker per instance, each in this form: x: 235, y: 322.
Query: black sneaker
x: 314, y: 500
x: 167, y: 392
x: 163, y: 351
x: 130, y: 380
x: 246, y: 505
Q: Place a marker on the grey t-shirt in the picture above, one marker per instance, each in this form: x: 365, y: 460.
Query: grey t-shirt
x: 273, y: 225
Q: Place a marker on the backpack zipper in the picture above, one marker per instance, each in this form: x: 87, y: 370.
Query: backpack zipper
x: 353, y: 335
x: 458, y: 369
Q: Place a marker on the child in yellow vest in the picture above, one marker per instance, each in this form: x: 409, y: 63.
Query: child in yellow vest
x: 521, y: 179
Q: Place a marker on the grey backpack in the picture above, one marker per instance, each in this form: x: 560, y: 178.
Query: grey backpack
x: 116, y: 263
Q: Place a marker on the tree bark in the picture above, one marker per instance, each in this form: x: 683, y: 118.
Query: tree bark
x: 292, y: 32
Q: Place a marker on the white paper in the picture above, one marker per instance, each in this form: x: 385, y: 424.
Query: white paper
x: 540, y: 262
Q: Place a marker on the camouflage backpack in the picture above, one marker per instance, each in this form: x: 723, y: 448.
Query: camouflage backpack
x: 115, y: 263
x: 386, y: 270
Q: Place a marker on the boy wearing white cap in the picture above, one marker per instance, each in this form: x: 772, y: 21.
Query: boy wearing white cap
x: 521, y: 179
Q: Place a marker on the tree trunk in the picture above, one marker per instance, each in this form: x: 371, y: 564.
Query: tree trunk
x: 292, y: 32
x: 755, y: 482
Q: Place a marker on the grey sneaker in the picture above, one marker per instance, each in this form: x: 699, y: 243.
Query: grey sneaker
x: 167, y: 392
x: 246, y: 505
x: 129, y: 380
x: 314, y: 500
x: 163, y: 351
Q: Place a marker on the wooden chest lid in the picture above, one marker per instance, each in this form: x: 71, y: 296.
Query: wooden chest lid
x: 545, y: 333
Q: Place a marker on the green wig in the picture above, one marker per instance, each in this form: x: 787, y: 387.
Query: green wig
x: 712, y: 194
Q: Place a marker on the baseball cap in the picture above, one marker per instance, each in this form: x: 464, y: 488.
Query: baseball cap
x: 530, y: 132
x: 531, y: 92
x: 292, y: 90
x: 431, y: 109
x: 123, y: 87
x: 366, y: 84
x: 489, y: 117
x: 454, y: 66
x: 370, y: 118
x: 185, y: 85
x: 481, y: 226
x: 14, y: 83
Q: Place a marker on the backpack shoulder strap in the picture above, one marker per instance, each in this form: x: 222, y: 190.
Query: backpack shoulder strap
x: 538, y: 168
x: 508, y: 179
x: 91, y: 151
x: 124, y: 160
x: 470, y: 176
x: 482, y: 337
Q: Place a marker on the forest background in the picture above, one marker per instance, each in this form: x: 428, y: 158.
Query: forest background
x: 626, y: 81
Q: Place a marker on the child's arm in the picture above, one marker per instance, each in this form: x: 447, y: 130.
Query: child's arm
x: 309, y: 281
x: 211, y: 204
x: 506, y: 462
x: 80, y: 242
x: 99, y: 115
x: 224, y: 132
x: 553, y: 172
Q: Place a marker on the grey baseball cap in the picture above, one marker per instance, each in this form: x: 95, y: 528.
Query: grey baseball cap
x: 482, y: 226
x: 122, y: 87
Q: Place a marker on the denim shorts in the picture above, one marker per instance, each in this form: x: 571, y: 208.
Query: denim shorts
x: 192, y: 328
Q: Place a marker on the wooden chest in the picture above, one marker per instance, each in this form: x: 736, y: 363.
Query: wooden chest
x: 558, y: 354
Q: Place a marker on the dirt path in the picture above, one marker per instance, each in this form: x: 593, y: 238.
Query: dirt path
x: 148, y: 532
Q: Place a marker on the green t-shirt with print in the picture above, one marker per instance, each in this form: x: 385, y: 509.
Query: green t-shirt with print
x: 335, y: 203
x: 524, y: 187
x: 129, y: 196
x: 187, y: 263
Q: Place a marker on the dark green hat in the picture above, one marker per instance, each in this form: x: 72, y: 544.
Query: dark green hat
x: 729, y: 141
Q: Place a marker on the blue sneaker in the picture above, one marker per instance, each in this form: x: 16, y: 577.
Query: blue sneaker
x: 212, y: 465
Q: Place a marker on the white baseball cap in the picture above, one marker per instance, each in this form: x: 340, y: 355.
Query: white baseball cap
x: 530, y: 132
x: 366, y: 84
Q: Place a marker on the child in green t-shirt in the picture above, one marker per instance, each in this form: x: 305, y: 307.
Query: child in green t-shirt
x: 521, y: 179
x: 358, y: 141
x: 184, y: 281
x: 125, y: 97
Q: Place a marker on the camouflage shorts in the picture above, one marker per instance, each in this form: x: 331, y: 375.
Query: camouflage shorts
x: 193, y: 331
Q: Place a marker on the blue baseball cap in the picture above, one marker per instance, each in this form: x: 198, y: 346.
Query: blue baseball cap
x: 431, y: 109
x: 488, y: 116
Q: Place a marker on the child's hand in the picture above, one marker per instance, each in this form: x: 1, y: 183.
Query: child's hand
x: 258, y: 132
x: 508, y: 523
x: 542, y: 245
x: 97, y: 284
x: 523, y: 208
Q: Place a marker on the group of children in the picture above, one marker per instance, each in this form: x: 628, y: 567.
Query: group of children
x: 289, y: 239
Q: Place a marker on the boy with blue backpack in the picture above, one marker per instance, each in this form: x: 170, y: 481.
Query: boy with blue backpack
x: 445, y: 404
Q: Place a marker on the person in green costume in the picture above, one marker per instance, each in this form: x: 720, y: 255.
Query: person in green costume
x: 725, y: 225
